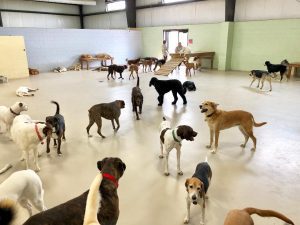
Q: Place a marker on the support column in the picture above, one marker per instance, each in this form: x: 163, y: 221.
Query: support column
x: 1, y: 23
x: 131, y: 13
x: 81, y: 17
x: 229, y: 10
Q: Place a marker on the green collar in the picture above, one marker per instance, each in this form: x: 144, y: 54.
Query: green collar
x: 173, y: 133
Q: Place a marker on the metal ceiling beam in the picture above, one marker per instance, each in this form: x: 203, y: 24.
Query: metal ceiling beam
x: 229, y: 10
x: 69, y: 2
x: 131, y: 13
x: 81, y: 17
x: 38, y: 12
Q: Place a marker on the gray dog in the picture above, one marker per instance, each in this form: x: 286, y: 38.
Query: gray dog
x: 110, y: 111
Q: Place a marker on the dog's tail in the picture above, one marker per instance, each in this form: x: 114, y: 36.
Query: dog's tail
x: 268, y: 213
x: 93, y: 202
x: 8, y: 211
x: 5, y: 168
x: 257, y: 124
x: 138, y: 82
x: 57, y: 107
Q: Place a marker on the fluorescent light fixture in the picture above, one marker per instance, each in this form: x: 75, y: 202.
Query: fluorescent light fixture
x: 75, y: 2
x: 119, y: 5
x: 173, y: 1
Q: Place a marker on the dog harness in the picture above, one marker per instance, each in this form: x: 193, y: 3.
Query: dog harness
x: 174, y: 137
x: 111, y: 178
x: 38, y: 134
x: 17, y: 114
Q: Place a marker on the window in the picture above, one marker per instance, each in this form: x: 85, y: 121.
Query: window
x: 172, y: 1
x: 113, y: 6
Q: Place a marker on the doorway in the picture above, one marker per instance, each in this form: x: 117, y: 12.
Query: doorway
x: 174, y: 36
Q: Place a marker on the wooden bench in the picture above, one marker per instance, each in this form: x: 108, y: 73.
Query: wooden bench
x: 292, y: 69
x: 102, y: 61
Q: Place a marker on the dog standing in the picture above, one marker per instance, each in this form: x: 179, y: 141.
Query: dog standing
x: 58, y: 123
x: 137, y: 99
x: 7, y: 115
x: 134, y: 68
x: 261, y: 76
x: 189, y: 66
x: 133, y: 61
x: 113, y: 69
x: 159, y: 63
x: 110, y: 111
x: 274, y: 68
x: 172, y: 138
x: 164, y: 86
x: 27, y: 134
x: 73, y: 211
x: 243, y: 217
x: 22, y: 188
x: 218, y: 120
x: 147, y: 63
x: 196, y: 188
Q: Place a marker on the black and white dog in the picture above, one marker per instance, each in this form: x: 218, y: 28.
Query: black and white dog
x: 261, y: 75
x: 274, y: 68
x: 159, y: 63
x: 189, y: 85
x: 164, y: 86
x: 58, y: 123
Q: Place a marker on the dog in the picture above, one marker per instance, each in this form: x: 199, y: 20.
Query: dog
x: 58, y: 123
x: 110, y: 111
x: 18, y: 192
x: 196, y: 188
x: 7, y: 115
x: 133, y: 61
x: 27, y: 134
x: 261, y: 76
x: 159, y: 63
x: 73, y: 211
x: 25, y: 91
x: 113, y: 69
x: 189, y: 66
x: 134, y: 68
x: 3, y: 79
x: 172, y: 138
x: 60, y: 69
x: 137, y: 99
x: 218, y: 120
x: 147, y: 63
x: 274, y: 68
x: 243, y: 217
x: 197, y: 63
x: 33, y: 71
x: 75, y: 67
x: 164, y: 86
x: 189, y: 85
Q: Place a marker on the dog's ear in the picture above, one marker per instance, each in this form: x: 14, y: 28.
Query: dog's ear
x: 187, y: 181
x: 101, y: 163
x: 20, y: 104
x: 202, y: 191
x: 194, y: 133
x: 121, y: 167
x: 215, y: 105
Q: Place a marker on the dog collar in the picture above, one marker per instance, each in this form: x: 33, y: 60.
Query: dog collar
x: 17, y: 114
x: 111, y: 178
x: 174, y: 137
x: 210, y: 114
x: 38, y: 134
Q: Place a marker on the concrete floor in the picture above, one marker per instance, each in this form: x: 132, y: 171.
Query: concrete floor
x: 268, y: 178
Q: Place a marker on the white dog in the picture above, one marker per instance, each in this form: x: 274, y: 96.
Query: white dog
x: 7, y: 115
x: 27, y: 134
x: 25, y: 91
x: 172, y: 138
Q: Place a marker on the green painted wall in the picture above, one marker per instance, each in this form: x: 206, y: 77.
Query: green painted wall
x: 258, y: 41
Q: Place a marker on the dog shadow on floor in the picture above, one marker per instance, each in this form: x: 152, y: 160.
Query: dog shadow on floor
x: 257, y: 90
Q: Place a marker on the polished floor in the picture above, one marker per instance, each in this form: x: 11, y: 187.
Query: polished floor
x: 268, y: 178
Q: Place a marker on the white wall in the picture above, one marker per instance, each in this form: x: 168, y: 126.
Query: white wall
x: 246, y: 10
x: 116, y: 20
x: 16, y: 19
x: 212, y: 11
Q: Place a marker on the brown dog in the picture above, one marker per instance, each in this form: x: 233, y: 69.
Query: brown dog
x: 33, y: 71
x: 243, y: 217
x: 189, y: 66
x: 147, y: 63
x: 133, y: 68
x: 218, y: 120
x: 137, y: 99
x: 110, y: 111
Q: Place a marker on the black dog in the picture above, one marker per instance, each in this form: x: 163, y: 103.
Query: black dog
x: 273, y: 68
x: 72, y: 212
x: 164, y: 86
x: 58, y: 123
x: 112, y: 69
x: 137, y: 99
x: 189, y: 85
x: 159, y: 63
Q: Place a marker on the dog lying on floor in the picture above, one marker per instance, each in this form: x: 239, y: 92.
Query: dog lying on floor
x: 25, y: 91
x: 27, y: 134
x: 274, y: 68
x: 218, y: 120
x: 58, y: 123
x: 164, y: 86
x: 19, y: 191
x: 113, y: 69
x: 133, y: 68
x: 196, y: 188
x: 73, y: 211
x: 137, y: 99
x: 243, y: 217
x: 172, y: 138
x: 110, y: 111
x: 261, y: 76
x: 7, y: 115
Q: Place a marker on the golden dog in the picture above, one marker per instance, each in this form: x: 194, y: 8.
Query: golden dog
x: 243, y: 217
x: 189, y: 67
x: 218, y: 120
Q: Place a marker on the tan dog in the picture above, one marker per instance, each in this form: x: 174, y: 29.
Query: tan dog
x: 243, y: 217
x: 147, y: 63
x: 189, y: 67
x: 218, y: 120
x: 133, y: 68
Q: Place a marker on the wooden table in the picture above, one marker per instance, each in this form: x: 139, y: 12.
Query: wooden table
x: 292, y: 69
x: 201, y: 55
x: 101, y: 60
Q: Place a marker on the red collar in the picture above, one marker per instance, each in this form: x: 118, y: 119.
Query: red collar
x: 38, y: 134
x: 111, y: 177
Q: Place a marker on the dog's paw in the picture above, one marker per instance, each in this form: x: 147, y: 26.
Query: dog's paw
x: 186, y: 220
x: 159, y: 104
x: 180, y: 173
x: 208, y: 146
x: 161, y: 156
x: 213, y: 151
x: 37, y: 169
x: 167, y: 173
x: 243, y: 145
x: 173, y: 103
x: 201, y: 223
x: 22, y: 159
x: 89, y: 135
x: 253, y: 149
x: 185, y: 103
x: 59, y: 154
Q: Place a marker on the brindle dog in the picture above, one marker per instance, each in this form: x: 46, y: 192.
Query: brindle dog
x: 110, y: 111
x: 137, y: 99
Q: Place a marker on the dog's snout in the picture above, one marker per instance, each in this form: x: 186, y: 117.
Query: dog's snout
x: 194, y: 197
x: 200, y: 106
